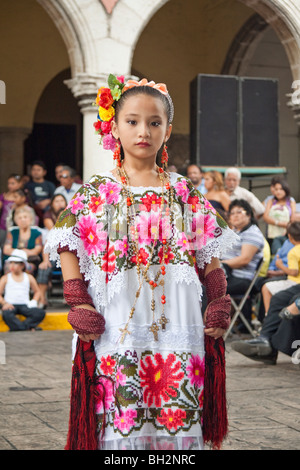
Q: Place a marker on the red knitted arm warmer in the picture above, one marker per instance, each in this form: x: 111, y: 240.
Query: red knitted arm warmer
x: 219, y: 304
x: 82, y: 320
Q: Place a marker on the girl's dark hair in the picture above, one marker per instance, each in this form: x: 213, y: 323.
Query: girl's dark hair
x: 285, y: 188
x: 146, y: 90
x: 246, y: 206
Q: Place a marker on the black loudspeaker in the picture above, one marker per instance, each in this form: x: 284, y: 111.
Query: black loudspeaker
x: 234, y: 121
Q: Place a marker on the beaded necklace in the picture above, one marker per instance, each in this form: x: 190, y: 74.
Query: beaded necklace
x: 142, y: 271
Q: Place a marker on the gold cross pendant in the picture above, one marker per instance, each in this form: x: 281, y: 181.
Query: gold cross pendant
x: 154, y: 328
x: 124, y: 331
x: 163, y: 321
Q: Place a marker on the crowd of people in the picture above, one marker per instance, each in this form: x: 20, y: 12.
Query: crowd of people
x: 29, y: 208
x: 31, y: 205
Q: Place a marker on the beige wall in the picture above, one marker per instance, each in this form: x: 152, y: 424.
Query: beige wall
x: 32, y: 53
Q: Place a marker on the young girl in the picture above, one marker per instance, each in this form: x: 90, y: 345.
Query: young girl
x: 140, y: 238
x: 279, y: 212
x: 7, y: 201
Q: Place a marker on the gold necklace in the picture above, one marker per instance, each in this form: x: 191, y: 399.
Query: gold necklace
x: 143, y: 271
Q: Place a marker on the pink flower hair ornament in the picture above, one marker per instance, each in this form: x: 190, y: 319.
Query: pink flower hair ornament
x: 106, y: 102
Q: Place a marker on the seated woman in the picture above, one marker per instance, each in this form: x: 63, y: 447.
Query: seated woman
x: 216, y: 194
x: 57, y: 205
x: 26, y: 237
x: 280, y: 210
x: 242, y: 259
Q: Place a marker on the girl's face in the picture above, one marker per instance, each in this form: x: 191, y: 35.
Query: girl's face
x: 279, y: 192
x: 142, y: 126
x: 13, y: 184
x: 208, y: 182
x: 58, y: 204
x: 19, y: 199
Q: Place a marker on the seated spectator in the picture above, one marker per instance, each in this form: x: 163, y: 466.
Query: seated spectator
x: 242, y: 259
x: 278, y: 214
x: 276, y: 179
x: 39, y: 190
x: 58, y: 169
x: 277, y: 333
x: 46, y: 267
x: 68, y: 186
x: 195, y: 174
x: 20, y: 201
x: 58, y: 203
x: 215, y: 192
x: 232, y: 181
x: 26, y: 237
x: 15, y: 288
x: 292, y: 270
x: 7, y: 201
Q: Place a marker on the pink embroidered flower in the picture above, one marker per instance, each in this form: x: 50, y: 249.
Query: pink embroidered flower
x: 111, y: 192
x: 120, y: 377
x: 94, y: 239
x: 96, y: 204
x: 125, y: 421
x: 105, y: 394
x: 122, y: 245
x: 109, y: 142
x: 182, y: 189
x: 76, y: 203
x: 160, y: 380
x: 172, y: 419
x: 183, y: 242
x: 207, y: 205
x: 196, y: 370
x: 107, y: 365
x: 203, y: 228
x: 151, y: 226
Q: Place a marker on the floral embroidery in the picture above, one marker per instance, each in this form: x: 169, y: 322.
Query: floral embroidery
x: 105, y: 394
x: 172, y: 419
x: 96, y: 204
x: 122, y: 246
x: 160, y: 380
x: 143, y: 257
x: 196, y: 370
x: 150, y: 202
x: 126, y: 420
x: 94, y: 239
x: 76, y: 203
x: 120, y: 377
x: 111, y: 192
x: 167, y: 257
x: 107, y: 365
x: 182, y: 189
x: 109, y: 260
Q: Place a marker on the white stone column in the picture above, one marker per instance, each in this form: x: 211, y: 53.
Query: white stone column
x: 95, y: 158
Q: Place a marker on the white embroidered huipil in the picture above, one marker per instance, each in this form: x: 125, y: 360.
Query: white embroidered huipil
x: 153, y: 389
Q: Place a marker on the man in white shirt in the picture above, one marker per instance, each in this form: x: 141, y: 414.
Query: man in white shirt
x: 232, y: 180
x: 68, y: 187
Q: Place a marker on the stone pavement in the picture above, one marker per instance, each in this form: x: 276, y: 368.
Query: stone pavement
x: 264, y: 401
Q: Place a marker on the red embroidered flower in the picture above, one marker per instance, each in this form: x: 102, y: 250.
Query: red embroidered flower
x: 96, y: 203
x: 150, y: 202
x: 109, y: 260
x: 107, y: 365
x: 172, y: 419
x: 167, y: 257
x: 160, y: 380
x: 193, y: 201
x: 143, y: 255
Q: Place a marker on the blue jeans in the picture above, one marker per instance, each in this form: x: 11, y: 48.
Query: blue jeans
x: 34, y: 316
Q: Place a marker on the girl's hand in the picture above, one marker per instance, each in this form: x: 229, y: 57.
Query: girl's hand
x: 88, y: 337
x: 214, y: 332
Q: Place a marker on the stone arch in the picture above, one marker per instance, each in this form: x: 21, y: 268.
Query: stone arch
x: 284, y: 18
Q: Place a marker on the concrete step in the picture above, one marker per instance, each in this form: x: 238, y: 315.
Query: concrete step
x: 54, y: 320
